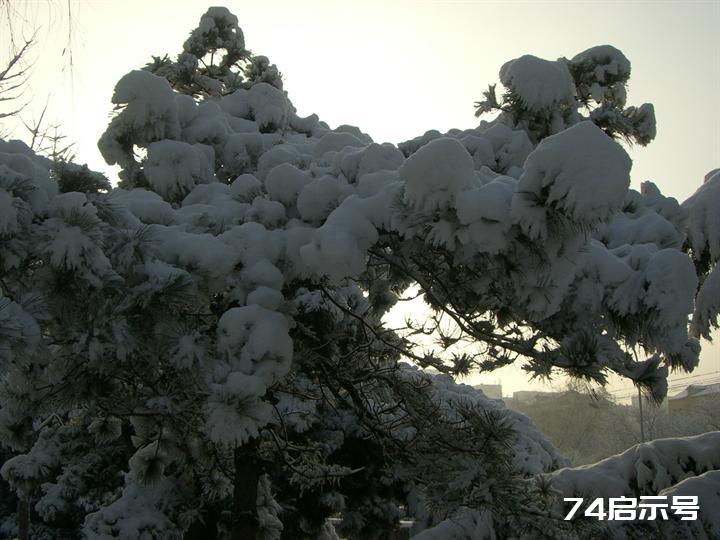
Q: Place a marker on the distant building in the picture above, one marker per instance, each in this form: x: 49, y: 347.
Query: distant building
x: 695, y: 396
x: 493, y: 391
x: 531, y: 396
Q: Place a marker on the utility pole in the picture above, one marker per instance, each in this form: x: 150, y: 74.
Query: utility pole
x: 642, y: 424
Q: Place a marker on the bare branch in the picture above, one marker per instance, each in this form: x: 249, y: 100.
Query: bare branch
x: 35, y: 131
x: 15, y: 59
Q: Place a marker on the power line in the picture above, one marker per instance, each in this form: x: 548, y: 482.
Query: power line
x: 697, y: 375
x: 703, y: 378
x: 628, y: 393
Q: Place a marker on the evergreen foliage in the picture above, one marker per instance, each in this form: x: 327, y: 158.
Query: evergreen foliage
x: 201, y: 352
x: 547, y: 97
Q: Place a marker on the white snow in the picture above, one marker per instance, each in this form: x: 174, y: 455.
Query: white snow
x: 269, y: 106
x: 645, y: 469
x: 237, y: 103
x: 539, y: 83
x: 140, y: 512
x: 580, y: 172
x: 609, y: 61
x: 706, y: 488
x: 334, y: 141
x: 671, y: 285
x: 18, y: 163
x: 339, y: 246
x: 703, y: 209
x: 199, y: 253
x: 149, y: 112
x: 147, y: 206
x: 666, y: 467
x: 285, y: 182
x: 174, y: 168
x: 511, y: 147
x: 707, y: 305
x: 436, y: 174
x: 320, y: 197
x: 256, y: 340
x: 235, y: 411
x: 486, y: 212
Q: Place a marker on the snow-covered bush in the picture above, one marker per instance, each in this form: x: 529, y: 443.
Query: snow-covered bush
x: 210, y: 333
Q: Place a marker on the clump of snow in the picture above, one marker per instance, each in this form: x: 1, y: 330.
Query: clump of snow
x: 371, y: 159
x: 210, y: 126
x: 410, y: 147
x: 645, y: 469
x: 671, y: 285
x: 174, y: 168
x: 319, y: 197
x: 436, y: 174
x: 218, y: 26
x: 663, y: 467
x: 334, y: 141
x: 235, y: 412
x: 19, y: 165
x: 703, y: 225
x: 277, y: 155
x: 140, y: 512
x: 580, y: 172
x: 256, y: 341
x: 245, y: 187
x: 486, y: 213
x: 707, y: 305
x: 467, y: 523
x: 269, y: 106
x: 540, y: 84
x: 72, y: 239
x: 285, y: 182
x: 202, y: 253
x: 149, y: 113
x: 704, y: 488
x: 607, y: 61
x: 703, y: 232
x: 236, y: 104
x: 511, y: 147
x: 644, y: 228
x: 340, y: 245
x: 146, y: 206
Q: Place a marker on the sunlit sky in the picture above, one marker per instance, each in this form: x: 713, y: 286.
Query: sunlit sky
x: 396, y: 70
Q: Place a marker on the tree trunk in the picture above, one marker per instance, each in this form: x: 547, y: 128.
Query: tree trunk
x: 247, y: 474
x: 23, y: 519
x: 206, y: 527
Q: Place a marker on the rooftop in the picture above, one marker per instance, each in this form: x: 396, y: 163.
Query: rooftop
x: 696, y: 390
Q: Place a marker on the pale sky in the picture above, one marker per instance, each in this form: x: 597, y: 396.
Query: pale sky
x: 398, y: 69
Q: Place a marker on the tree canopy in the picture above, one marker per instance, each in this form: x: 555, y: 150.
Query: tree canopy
x: 201, y: 352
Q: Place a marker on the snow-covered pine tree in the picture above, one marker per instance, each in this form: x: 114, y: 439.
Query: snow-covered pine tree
x: 141, y: 416
x: 201, y: 352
